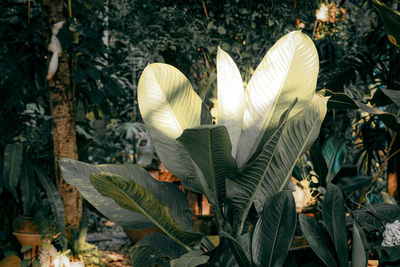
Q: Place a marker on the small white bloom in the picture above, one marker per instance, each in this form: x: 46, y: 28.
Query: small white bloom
x: 391, y: 235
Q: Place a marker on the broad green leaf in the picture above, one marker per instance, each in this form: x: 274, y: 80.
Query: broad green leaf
x: 132, y: 196
x: 168, y: 105
x: 242, y: 188
x: 210, y: 149
x: 190, y: 259
x: 289, y: 70
x: 334, y: 152
x: 54, y: 197
x: 230, y: 97
x: 319, y: 163
x: 274, y: 230
x: 359, y: 257
x: 318, y: 239
x: 145, y: 255
x: 13, y: 155
x: 298, y: 135
x: 342, y: 102
x: 28, y: 187
x: 333, y: 213
x: 78, y: 173
x: 166, y: 246
x: 240, y: 255
x: 371, y: 218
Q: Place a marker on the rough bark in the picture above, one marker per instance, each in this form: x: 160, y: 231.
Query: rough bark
x: 62, y: 111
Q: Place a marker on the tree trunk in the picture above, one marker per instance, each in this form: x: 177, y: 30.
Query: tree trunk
x: 62, y: 111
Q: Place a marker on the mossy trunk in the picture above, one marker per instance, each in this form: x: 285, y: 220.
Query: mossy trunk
x: 62, y: 111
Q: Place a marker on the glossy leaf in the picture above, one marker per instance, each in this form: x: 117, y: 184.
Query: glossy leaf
x: 242, y: 188
x: 318, y: 239
x: 274, y: 230
x: 333, y: 213
x: 168, y: 105
x: 391, y: 20
x: 132, y: 196
x: 298, y: 135
x: 230, y: 97
x: 210, y: 149
x: 78, y: 173
x: 190, y: 259
x: 359, y: 257
x: 13, y: 155
x: 287, y: 71
x: 334, y: 152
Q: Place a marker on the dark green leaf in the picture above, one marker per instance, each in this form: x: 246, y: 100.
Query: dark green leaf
x: 333, y: 213
x: 245, y: 243
x: 221, y: 30
x: 132, y: 196
x: 319, y: 163
x: 242, y: 188
x: 13, y: 156
x: 298, y: 135
x: 342, y: 101
x: 359, y: 257
x: 165, y: 245
x: 93, y: 73
x: 28, y: 187
x: 143, y: 255
x: 238, y: 251
x: 393, y: 95
x: 353, y: 183
x: 78, y: 173
x: 57, y: 205
x: 318, y: 239
x: 190, y: 259
x: 210, y: 149
x: 274, y: 230
x: 334, y: 152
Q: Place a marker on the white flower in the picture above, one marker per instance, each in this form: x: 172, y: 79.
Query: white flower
x: 391, y: 235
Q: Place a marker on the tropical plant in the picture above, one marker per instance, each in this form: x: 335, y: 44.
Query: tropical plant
x: 241, y: 165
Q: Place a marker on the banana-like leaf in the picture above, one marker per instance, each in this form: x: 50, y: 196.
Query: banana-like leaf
x: 210, y: 149
x: 132, y: 196
x: 28, y: 187
x: 334, y: 153
x: 191, y: 259
x: 333, y: 214
x: 274, y: 231
x: 359, y: 257
x: 57, y: 205
x: 78, y: 173
x: 13, y: 155
x: 168, y: 105
x: 289, y: 70
x: 230, y: 97
x: 242, y: 188
x: 318, y: 239
x: 298, y: 135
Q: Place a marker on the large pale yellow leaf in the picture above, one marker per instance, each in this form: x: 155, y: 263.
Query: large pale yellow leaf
x: 167, y: 100
x: 230, y: 97
x: 289, y: 70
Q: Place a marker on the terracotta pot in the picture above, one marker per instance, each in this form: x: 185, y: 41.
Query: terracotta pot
x: 29, y: 239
